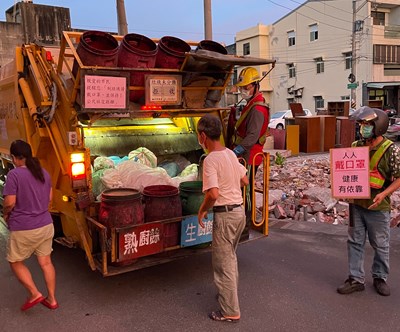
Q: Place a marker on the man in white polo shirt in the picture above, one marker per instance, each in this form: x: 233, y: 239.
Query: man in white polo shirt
x: 223, y: 177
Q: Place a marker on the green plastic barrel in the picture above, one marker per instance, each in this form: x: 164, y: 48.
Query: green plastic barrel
x: 191, y: 196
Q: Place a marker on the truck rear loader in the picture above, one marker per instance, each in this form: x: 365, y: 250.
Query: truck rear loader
x: 45, y: 100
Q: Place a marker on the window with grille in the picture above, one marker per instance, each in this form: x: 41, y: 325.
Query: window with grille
x: 234, y: 77
x: 348, y: 58
x: 387, y: 54
x: 320, y: 65
x: 378, y: 18
x: 246, y: 48
x: 291, y: 38
x: 391, y: 70
x: 313, y: 32
x: 319, y: 102
x: 292, y: 70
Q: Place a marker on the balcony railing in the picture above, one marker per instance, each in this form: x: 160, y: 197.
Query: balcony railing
x: 392, y: 31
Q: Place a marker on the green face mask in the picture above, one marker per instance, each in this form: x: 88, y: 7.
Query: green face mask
x: 367, y: 131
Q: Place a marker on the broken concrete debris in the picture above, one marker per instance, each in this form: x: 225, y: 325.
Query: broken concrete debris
x: 300, y: 190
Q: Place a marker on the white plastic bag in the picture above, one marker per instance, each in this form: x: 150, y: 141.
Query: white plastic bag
x: 102, y: 163
x: 130, y: 174
x: 144, y: 156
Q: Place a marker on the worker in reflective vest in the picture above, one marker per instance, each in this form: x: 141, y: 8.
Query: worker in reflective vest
x: 372, y: 216
x: 376, y: 179
x: 250, y: 130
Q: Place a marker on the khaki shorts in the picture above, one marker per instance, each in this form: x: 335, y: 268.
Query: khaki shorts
x: 22, y: 244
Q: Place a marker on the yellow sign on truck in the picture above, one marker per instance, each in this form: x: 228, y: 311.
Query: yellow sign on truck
x: 71, y: 112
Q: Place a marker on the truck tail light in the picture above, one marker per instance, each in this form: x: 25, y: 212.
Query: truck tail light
x: 151, y: 108
x: 78, y: 170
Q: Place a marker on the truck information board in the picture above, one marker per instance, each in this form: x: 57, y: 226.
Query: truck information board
x: 137, y: 241
x: 163, y: 89
x: 192, y: 233
x: 105, y: 92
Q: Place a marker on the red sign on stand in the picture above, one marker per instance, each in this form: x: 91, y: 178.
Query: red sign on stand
x: 350, y: 173
x: 138, y: 241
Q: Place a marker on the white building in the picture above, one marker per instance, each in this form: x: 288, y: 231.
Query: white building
x: 255, y: 42
x: 313, y: 47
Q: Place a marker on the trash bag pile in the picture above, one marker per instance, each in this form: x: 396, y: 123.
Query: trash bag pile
x: 138, y: 170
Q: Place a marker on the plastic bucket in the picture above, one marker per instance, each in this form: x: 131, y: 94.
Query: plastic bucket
x: 163, y: 202
x: 121, y: 207
x: 171, y: 52
x: 97, y: 48
x: 137, y: 51
x: 191, y: 196
x: 211, y: 45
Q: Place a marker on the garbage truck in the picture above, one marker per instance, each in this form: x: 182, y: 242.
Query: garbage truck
x: 74, y: 104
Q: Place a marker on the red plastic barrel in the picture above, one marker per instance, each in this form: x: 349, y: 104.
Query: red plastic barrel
x: 163, y: 202
x: 137, y: 51
x: 171, y: 52
x: 121, y: 207
x: 211, y: 45
x: 97, y: 48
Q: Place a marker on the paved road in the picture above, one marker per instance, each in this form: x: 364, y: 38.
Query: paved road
x: 287, y: 283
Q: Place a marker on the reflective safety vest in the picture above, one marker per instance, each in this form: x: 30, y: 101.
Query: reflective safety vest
x: 376, y: 179
x: 241, y: 128
x: 237, y: 139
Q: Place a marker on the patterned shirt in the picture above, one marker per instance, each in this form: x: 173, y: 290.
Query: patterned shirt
x: 389, y: 167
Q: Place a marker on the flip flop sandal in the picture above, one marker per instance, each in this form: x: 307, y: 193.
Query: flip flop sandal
x: 49, y: 305
x: 29, y: 304
x: 219, y: 317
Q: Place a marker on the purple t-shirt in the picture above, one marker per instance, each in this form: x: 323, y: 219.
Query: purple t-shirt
x: 32, y: 201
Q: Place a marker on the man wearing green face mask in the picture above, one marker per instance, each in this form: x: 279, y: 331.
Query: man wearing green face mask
x: 366, y: 130
x: 372, y: 216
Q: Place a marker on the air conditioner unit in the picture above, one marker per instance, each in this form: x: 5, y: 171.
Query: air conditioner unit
x: 298, y: 92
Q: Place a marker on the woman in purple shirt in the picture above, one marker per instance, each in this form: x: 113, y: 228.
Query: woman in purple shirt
x: 27, y: 194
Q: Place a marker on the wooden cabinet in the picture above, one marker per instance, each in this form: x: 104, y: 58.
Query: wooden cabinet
x: 310, y: 133
x: 375, y: 103
x: 345, y: 132
x: 328, y: 132
x: 339, y: 108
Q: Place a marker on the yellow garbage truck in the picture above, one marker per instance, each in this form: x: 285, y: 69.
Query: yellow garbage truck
x: 72, y: 111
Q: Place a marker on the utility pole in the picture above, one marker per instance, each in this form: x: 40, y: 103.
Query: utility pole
x: 357, y: 27
x: 207, y: 20
x: 121, y: 14
x: 353, y: 56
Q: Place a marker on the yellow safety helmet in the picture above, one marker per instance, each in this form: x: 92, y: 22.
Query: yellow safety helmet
x: 247, y: 76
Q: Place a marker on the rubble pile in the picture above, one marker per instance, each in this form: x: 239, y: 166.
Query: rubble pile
x: 300, y: 190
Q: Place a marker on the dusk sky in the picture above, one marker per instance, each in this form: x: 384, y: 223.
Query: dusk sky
x: 180, y: 18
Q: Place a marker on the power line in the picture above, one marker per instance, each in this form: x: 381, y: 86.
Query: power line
x: 326, y: 4
x: 298, y: 13
x: 306, y: 70
x: 321, y: 45
x: 337, y: 18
